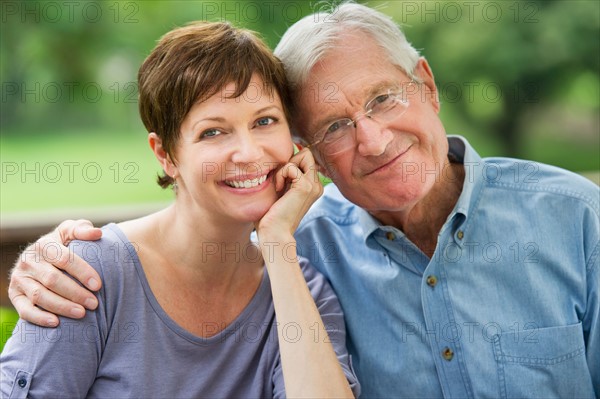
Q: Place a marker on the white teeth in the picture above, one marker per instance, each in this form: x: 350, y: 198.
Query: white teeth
x: 247, y: 183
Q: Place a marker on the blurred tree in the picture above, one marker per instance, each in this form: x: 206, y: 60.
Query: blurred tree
x: 509, y: 72
x: 73, y: 65
x: 497, y: 63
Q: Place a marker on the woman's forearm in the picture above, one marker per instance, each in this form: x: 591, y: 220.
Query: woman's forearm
x: 310, y: 366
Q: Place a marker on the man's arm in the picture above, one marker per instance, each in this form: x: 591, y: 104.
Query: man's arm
x: 39, y: 290
x: 591, y: 322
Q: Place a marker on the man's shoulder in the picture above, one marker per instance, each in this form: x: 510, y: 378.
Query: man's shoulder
x: 526, y: 175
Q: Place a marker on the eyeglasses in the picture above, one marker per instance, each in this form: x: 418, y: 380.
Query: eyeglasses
x: 340, y: 135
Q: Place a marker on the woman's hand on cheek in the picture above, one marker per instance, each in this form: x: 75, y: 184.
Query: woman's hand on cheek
x: 299, y: 185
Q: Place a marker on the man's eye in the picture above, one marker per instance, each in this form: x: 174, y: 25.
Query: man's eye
x: 210, y: 133
x: 334, y: 127
x: 381, y: 103
x: 381, y: 99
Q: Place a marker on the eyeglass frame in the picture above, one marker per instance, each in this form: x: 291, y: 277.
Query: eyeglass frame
x: 366, y: 113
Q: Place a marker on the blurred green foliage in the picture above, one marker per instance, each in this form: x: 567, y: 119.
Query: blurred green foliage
x: 518, y: 78
x: 520, y: 74
x: 8, y: 321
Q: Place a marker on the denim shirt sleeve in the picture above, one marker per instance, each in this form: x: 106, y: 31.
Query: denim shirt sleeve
x: 591, y: 318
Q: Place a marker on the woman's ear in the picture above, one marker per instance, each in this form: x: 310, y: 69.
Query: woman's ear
x: 161, y: 155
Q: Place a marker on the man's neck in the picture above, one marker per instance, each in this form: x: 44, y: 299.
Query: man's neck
x: 422, y: 223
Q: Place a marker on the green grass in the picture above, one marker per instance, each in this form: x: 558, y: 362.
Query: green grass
x: 62, y: 171
x: 8, y: 321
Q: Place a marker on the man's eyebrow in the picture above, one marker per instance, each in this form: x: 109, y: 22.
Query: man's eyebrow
x: 368, y: 94
x: 378, y: 89
x: 322, y: 123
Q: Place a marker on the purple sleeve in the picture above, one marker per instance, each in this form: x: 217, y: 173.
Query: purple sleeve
x: 333, y: 318
x: 51, y: 362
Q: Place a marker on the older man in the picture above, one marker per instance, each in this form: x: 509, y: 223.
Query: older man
x: 459, y: 276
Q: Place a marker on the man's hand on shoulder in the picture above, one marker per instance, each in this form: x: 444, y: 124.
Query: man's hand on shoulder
x: 39, y: 290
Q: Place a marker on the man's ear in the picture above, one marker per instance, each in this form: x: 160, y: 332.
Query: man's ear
x: 423, y: 72
x: 161, y: 155
x: 322, y: 170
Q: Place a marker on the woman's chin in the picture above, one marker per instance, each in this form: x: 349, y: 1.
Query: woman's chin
x: 254, y: 213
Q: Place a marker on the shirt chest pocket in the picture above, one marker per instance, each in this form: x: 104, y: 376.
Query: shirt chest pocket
x: 548, y: 362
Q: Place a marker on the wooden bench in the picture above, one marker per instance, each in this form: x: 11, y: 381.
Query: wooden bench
x: 18, y: 229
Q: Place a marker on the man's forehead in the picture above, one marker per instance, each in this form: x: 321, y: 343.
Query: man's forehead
x: 325, y: 78
x: 325, y: 99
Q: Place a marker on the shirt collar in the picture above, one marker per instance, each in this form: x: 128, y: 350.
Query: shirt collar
x: 367, y: 222
x: 459, y: 151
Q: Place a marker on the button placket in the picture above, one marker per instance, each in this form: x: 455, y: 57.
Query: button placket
x: 437, y: 310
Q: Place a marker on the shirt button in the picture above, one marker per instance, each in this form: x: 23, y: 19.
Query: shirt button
x: 460, y: 234
x: 431, y: 281
x: 447, y: 354
x: 22, y: 382
x: 390, y: 236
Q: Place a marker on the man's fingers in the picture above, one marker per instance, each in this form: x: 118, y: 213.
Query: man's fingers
x: 66, y: 287
x: 87, y: 233
x: 33, y: 294
x: 32, y: 268
x: 33, y: 314
x: 82, y: 229
x: 85, y: 230
x: 83, y: 272
x: 61, y: 257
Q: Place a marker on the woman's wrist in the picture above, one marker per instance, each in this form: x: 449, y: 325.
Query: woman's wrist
x: 279, y: 235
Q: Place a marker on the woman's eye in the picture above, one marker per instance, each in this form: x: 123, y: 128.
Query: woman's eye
x: 210, y: 133
x: 265, y: 121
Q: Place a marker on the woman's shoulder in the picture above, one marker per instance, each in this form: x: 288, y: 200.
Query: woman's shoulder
x: 111, y: 256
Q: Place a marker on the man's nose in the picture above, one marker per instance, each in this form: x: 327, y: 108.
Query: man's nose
x: 371, y: 137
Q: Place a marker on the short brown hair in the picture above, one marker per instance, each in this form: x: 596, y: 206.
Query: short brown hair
x: 191, y: 64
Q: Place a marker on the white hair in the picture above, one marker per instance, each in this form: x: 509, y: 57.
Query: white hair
x: 309, y: 39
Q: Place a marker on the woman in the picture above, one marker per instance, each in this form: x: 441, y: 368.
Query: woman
x: 188, y: 303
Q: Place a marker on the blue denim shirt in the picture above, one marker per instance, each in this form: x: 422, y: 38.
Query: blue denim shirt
x: 508, y: 306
